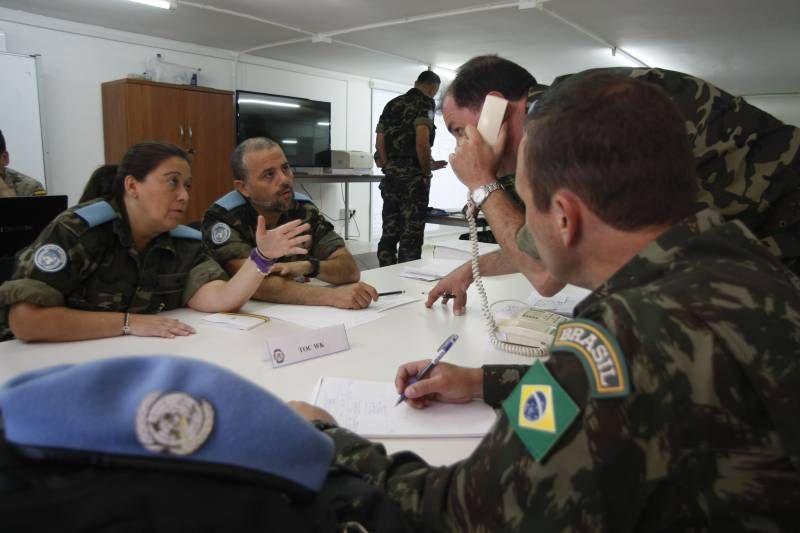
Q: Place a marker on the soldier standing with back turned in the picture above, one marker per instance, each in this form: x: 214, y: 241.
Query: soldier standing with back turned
x: 403, y: 141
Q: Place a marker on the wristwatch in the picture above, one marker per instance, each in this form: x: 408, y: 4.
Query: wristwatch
x: 480, y: 194
x: 314, y: 267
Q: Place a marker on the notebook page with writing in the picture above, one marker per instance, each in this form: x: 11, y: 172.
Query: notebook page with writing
x: 367, y: 408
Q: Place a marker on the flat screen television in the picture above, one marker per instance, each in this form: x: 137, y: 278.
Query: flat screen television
x: 302, y: 127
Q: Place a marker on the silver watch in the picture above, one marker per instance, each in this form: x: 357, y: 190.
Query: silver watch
x: 480, y: 194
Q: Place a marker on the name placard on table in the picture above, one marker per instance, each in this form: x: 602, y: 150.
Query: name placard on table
x: 290, y: 349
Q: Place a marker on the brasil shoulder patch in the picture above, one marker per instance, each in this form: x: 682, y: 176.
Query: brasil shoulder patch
x: 539, y: 410
x: 599, y: 353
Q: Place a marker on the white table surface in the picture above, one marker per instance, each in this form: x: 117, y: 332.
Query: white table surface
x: 404, y: 334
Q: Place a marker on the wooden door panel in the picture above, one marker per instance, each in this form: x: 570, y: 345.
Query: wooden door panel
x: 156, y: 114
x: 209, y: 138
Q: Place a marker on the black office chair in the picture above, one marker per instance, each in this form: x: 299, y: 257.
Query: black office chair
x: 6, y: 268
x: 21, y: 221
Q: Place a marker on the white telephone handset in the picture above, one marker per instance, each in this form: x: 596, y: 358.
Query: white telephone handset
x: 530, y: 331
x: 491, y: 117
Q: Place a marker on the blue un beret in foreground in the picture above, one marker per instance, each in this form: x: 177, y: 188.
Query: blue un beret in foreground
x: 164, y: 408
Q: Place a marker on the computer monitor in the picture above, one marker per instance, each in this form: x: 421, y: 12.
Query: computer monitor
x: 21, y: 221
x: 301, y: 126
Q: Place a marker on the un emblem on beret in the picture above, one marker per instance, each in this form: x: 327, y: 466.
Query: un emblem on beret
x: 50, y: 258
x: 220, y: 233
x: 174, y: 423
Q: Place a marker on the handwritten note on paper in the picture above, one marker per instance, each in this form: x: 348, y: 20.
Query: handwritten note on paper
x: 367, y: 407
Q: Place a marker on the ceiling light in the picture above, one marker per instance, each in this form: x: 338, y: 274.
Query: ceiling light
x: 528, y: 4
x: 323, y: 123
x: 289, y: 141
x: 163, y: 4
x: 266, y: 102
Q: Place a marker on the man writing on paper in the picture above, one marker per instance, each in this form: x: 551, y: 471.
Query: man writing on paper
x: 403, y: 140
x: 13, y: 183
x: 669, y: 403
x: 263, y: 182
x: 747, y: 164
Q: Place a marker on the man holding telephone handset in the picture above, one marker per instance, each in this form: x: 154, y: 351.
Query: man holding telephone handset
x: 757, y: 182
x: 669, y: 403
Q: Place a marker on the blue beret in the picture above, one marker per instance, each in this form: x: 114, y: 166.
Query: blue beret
x: 163, y: 407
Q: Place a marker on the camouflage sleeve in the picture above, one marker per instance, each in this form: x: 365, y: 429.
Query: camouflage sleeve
x: 325, y: 240
x: 26, y: 185
x: 499, y: 381
x: 205, y: 270
x: 500, y: 487
x: 234, y: 246
x: 62, y: 263
x: 381, y: 127
x: 423, y: 115
x: 30, y: 187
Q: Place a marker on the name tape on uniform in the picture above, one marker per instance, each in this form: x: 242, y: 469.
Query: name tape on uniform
x: 598, y: 352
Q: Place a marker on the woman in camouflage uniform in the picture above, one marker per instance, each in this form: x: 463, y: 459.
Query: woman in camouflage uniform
x: 106, y: 268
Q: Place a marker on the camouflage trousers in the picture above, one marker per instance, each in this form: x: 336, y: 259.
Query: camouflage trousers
x: 405, y: 203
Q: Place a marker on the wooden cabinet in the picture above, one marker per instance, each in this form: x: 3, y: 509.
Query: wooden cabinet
x: 198, y: 119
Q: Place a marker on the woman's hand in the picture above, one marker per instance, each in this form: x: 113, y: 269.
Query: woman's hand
x: 158, y: 326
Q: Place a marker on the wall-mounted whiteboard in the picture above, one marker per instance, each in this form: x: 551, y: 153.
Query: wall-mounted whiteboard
x: 20, y: 119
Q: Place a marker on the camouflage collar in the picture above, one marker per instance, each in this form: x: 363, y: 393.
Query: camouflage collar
x: 417, y: 92
x: 660, y: 256
x: 122, y: 229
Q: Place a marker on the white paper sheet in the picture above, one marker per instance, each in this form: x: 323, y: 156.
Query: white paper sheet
x: 431, y: 269
x: 562, y: 303
x: 391, y: 301
x: 367, y: 407
x: 319, y: 316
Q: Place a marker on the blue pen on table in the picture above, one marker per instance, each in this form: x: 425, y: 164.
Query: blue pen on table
x: 443, y: 349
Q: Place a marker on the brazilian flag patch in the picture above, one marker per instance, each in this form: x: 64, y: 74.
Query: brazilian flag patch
x: 539, y: 410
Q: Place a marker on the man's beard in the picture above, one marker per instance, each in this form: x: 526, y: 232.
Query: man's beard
x: 277, y: 204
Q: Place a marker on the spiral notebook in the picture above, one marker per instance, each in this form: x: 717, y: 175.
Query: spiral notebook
x: 368, y: 408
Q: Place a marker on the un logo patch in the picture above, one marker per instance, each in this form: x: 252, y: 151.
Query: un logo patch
x: 174, y: 423
x: 50, y: 258
x: 220, y: 233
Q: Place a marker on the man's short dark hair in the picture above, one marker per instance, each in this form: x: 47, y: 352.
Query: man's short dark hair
x: 254, y: 144
x: 483, y: 74
x: 618, y: 143
x: 429, y: 76
x: 2, y: 142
